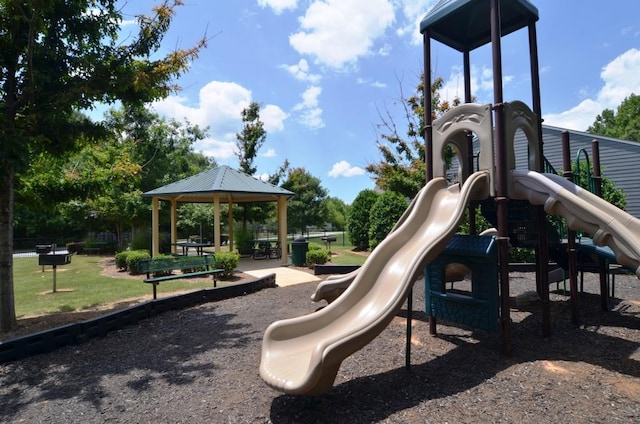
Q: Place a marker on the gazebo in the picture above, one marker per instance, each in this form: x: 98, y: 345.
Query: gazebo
x: 218, y: 185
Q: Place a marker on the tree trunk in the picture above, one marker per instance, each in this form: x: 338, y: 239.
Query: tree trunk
x: 7, y: 301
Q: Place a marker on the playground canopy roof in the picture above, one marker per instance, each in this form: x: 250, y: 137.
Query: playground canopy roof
x: 233, y: 186
x: 465, y: 25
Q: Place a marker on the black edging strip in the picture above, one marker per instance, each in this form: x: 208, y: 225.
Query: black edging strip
x: 80, y: 332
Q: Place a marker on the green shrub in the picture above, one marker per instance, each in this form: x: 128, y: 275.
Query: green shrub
x: 228, y: 261
x: 121, y: 260
x: 244, y: 241
x: 314, y: 246
x: 317, y: 256
x: 358, y: 219
x: 384, y: 214
x: 135, y: 256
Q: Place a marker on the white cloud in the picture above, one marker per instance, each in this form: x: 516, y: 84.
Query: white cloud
x: 273, y: 118
x: 621, y: 78
x: 278, y: 6
x: 344, y: 169
x: 270, y: 153
x: 310, y: 113
x: 220, y: 108
x: 413, y: 11
x: 222, y: 151
x: 300, y: 71
x: 338, y: 32
x: 369, y: 82
x: 481, y: 84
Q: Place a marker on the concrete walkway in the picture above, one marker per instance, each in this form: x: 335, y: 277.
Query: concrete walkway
x: 285, y: 274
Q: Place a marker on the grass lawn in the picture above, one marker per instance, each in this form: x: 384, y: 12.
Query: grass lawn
x: 80, y: 286
x: 342, y: 250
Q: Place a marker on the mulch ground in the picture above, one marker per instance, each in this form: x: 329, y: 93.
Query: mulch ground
x: 201, y: 365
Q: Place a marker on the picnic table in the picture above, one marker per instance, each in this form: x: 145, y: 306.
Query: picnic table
x: 266, y: 249
x: 186, y: 245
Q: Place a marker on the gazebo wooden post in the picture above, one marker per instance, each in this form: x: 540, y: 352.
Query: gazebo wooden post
x: 155, y: 225
x: 282, y: 228
x: 216, y: 222
x: 174, y: 224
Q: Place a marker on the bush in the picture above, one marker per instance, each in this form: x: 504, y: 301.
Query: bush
x: 314, y: 246
x: 121, y: 260
x: 135, y: 256
x: 244, y: 241
x: 384, y: 214
x: 227, y: 261
x: 317, y: 256
x: 358, y: 220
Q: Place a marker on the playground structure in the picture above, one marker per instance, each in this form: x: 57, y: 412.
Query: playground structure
x: 302, y: 355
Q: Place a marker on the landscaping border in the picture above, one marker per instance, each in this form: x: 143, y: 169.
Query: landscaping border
x: 80, y: 332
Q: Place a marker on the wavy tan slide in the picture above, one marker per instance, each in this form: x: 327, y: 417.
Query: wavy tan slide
x: 334, y: 285
x: 302, y: 355
x: 607, y: 224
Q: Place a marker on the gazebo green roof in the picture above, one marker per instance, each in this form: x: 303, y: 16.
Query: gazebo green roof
x: 232, y: 186
x: 465, y: 24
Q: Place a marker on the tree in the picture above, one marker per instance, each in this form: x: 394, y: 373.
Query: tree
x: 359, y: 218
x: 384, y: 214
x: 104, y: 180
x: 196, y: 218
x: 251, y: 139
x: 248, y: 143
x: 337, y: 211
x: 58, y: 57
x: 307, y: 207
x: 623, y: 124
x: 402, y: 168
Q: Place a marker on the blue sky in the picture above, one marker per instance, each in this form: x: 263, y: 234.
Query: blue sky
x: 322, y: 71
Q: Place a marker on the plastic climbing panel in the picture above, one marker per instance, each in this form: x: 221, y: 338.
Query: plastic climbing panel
x: 477, y: 307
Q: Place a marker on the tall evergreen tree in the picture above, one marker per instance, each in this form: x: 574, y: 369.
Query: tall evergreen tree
x: 307, y: 207
x: 251, y: 139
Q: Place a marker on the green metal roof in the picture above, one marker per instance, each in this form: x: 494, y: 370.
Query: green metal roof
x: 237, y: 186
x: 466, y: 24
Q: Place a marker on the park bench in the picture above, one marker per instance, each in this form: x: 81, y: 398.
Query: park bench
x: 190, y: 266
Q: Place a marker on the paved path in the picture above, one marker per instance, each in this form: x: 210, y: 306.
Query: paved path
x: 285, y: 275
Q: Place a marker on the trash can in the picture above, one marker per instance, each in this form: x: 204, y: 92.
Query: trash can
x: 299, y: 248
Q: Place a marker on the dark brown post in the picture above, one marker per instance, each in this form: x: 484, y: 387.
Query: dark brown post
x: 467, y: 99
x: 542, y: 248
x: 502, y: 199
x: 428, y: 156
x: 602, y: 265
x: 428, y: 121
x: 572, y: 252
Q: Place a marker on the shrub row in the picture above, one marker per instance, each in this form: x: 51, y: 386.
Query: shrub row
x: 127, y: 260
